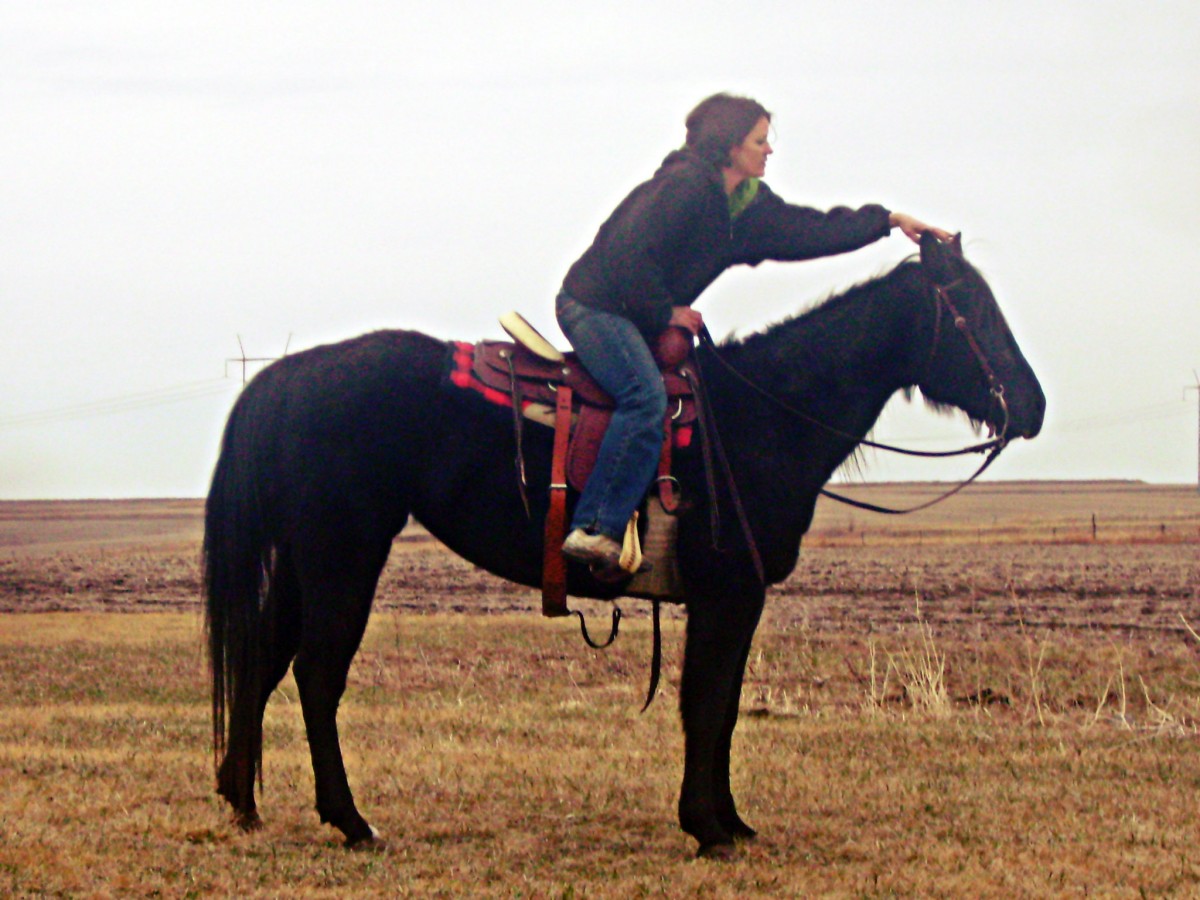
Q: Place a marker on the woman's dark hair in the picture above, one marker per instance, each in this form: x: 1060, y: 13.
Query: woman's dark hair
x: 720, y: 123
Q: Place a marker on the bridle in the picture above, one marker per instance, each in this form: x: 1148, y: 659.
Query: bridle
x: 713, y: 447
x: 942, y: 293
x: 992, y: 447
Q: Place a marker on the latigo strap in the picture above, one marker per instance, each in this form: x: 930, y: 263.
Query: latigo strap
x: 554, y: 567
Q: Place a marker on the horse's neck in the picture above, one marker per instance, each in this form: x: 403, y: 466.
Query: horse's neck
x: 836, y: 366
x: 842, y: 361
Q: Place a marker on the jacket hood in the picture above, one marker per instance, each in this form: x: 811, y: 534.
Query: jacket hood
x: 688, y: 159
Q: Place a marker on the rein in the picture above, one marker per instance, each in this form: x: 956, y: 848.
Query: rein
x: 714, y: 447
x: 995, y: 388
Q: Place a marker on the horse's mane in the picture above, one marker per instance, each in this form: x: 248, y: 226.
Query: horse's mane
x: 830, y: 308
x: 799, y: 337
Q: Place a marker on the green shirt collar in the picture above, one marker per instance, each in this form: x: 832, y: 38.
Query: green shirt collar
x: 743, y: 195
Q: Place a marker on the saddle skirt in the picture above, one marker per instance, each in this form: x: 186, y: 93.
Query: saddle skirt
x: 509, y: 374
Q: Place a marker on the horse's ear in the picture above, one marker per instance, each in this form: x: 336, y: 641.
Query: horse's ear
x: 930, y: 247
x: 933, y: 249
x: 941, y: 260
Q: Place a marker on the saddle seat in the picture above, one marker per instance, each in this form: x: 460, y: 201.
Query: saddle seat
x: 538, y: 382
x: 523, y: 374
x: 498, y: 363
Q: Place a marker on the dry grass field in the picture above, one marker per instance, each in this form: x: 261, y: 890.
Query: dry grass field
x: 999, y: 697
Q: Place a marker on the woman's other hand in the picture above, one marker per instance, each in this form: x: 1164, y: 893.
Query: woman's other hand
x: 914, y: 228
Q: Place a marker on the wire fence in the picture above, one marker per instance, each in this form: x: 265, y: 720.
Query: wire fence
x: 1093, y: 530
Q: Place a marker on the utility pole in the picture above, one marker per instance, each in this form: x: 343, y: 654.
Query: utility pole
x: 1196, y: 388
x: 244, y: 359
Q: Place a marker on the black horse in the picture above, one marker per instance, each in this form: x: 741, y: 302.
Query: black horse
x: 328, y: 452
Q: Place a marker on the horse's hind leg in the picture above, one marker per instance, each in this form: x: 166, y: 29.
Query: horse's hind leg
x: 278, y: 640
x: 338, y: 585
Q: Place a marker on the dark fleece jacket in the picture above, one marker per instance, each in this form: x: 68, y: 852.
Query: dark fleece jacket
x: 673, y: 235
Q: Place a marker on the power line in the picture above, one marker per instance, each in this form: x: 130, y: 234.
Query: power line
x: 138, y: 400
x: 1118, y: 418
x: 1098, y: 421
x: 126, y: 403
x: 244, y: 359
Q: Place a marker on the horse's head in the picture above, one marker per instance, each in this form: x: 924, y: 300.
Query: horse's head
x: 974, y: 362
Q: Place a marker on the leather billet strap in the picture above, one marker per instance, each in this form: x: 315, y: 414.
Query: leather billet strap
x: 554, y: 566
x: 665, y: 482
x: 518, y: 433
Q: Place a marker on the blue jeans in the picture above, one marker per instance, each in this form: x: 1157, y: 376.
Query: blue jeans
x: 617, y: 356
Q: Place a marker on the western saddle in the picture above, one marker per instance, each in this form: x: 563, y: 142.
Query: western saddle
x: 544, y: 385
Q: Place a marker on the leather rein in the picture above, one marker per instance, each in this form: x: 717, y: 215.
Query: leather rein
x: 713, y: 447
x: 995, y: 388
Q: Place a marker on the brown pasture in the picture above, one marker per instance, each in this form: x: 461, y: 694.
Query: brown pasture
x: 999, y: 697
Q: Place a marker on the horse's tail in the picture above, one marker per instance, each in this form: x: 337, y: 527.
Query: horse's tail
x: 238, y: 552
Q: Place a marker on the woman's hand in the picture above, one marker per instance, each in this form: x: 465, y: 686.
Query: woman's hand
x: 686, y: 318
x: 914, y: 228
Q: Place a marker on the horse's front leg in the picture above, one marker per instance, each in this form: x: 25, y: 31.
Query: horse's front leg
x: 720, y: 629
x: 723, y: 801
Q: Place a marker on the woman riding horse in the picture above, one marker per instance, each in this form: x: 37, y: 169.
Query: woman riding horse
x: 704, y: 210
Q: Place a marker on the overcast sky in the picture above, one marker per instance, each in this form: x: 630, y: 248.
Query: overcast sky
x: 175, y: 175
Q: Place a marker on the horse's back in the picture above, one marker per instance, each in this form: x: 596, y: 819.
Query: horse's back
x: 339, y: 424
x: 363, y: 366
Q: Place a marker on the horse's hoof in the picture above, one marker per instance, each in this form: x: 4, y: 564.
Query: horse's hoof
x: 743, y: 832
x: 248, y: 821
x: 372, y: 843
x: 719, y: 852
